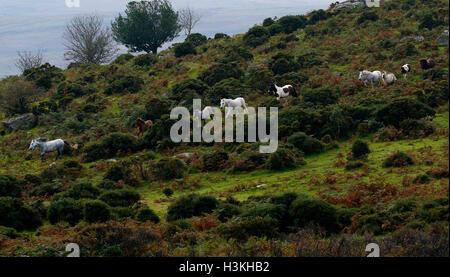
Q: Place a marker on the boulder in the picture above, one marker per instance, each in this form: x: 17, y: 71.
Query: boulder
x: 21, y: 122
x: 350, y: 4
x: 413, y: 38
x: 443, y: 38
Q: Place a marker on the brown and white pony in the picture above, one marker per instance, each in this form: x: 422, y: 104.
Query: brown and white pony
x: 281, y: 92
x: 427, y: 63
x: 143, y: 125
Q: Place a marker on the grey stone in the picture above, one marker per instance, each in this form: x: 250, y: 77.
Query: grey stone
x: 21, y: 122
x: 443, y: 38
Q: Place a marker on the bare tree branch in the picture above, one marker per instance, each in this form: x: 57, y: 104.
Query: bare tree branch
x: 188, y: 18
x: 88, y: 41
x: 26, y: 60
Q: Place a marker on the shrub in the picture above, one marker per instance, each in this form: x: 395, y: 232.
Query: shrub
x: 323, y: 96
x: 214, y: 161
x: 159, y: 135
x: 258, y: 78
x: 124, y: 84
x: 416, y: 128
x: 226, y: 211
x: 123, y: 58
x: 182, y: 88
x: 191, y: 205
x: 275, y: 29
x: 148, y: 59
x: 317, y: 15
x: 68, y: 88
x: 60, y: 172
x: 237, y: 54
x: 360, y: 149
x: 281, y: 159
x: 167, y: 192
x: 110, y: 146
x: 256, y: 36
x: 305, y: 211
x: 44, y: 75
x: 65, y: 209
x: 250, y: 160
x: 353, y: 165
x: 196, y: 39
x: 243, y: 227
x: 281, y: 64
x: 401, y: 109
x: 120, y: 198
x: 291, y: 23
x: 169, y: 168
x: 305, y: 143
x: 221, y: 36
x: 219, y: 72
x: 147, y: 215
x: 82, y: 190
x: 268, y: 21
x: 46, y: 189
x: 121, y: 172
x: 10, y: 186
x: 398, y: 159
x: 16, y: 97
x: 156, y: 107
x: 435, y: 74
x: 184, y: 49
x: 108, y: 184
x: 18, y: 216
x: 367, y: 16
x: 96, y: 211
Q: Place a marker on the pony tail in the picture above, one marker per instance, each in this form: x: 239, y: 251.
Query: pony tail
x: 68, y: 144
x: 294, y: 92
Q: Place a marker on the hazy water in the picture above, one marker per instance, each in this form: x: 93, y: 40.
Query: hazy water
x: 28, y: 25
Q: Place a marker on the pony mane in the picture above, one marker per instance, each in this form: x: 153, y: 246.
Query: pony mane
x: 41, y: 139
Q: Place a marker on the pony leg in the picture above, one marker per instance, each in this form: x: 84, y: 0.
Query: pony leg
x: 42, y: 156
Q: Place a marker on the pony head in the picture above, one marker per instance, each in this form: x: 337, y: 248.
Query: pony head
x: 222, y: 103
x: 272, y: 89
x: 33, y: 144
x: 360, y: 75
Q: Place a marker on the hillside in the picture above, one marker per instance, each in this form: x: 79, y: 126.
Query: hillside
x: 321, y: 194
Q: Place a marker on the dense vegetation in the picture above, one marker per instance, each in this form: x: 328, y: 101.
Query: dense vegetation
x: 354, y: 165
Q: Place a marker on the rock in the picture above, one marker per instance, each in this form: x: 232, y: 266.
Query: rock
x: 260, y: 185
x: 21, y: 122
x: 183, y: 155
x: 413, y: 38
x: 350, y: 4
x: 443, y: 38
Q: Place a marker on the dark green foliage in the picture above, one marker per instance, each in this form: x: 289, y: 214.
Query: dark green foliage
x: 188, y: 89
x: 159, y: 134
x: 44, y: 75
x: 229, y: 88
x: 196, y: 39
x: 219, y: 72
x: 258, y: 78
x: 281, y: 64
x: 120, y: 198
x: 121, y: 172
x: 45, y: 189
x: 72, y: 89
x: 398, y: 159
x: 275, y: 29
x: 8, y: 232
x: 430, y: 21
x: 434, y: 94
x: 244, y: 227
x: 360, y: 149
x: 145, y: 60
x: 256, y: 36
x: 96, y: 211
x: 60, y: 172
x: 250, y: 160
x: 310, y: 59
x: 184, y: 49
x: 353, y: 165
x: 178, y: 226
x: 401, y: 109
x: 268, y: 21
x: 226, y: 211
x: 146, y: 25
x: 110, y: 146
x: 416, y: 128
x: 221, y: 36
x: 191, y: 205
x: 82, y: 190
x: 9, y: 186
x: 123, y: 58
x: 15, y: 214
x: 169, y: 168
x: 291, y: 23
x: 276, y: 211
x: 214, y: 161
x: 156, y: 107
x: 123, y: 84
x: 305, y: 211
x: 317, y: 15
x: 167, y: 192
x: 281, y: 159
x: 305, y: 143
x: 65, y: 209
x: 435, y: 74
x: 322, y: 96
x: 108, y: 184
x: 237, y: 54
x: 147, y: 215
x: 367, y: 16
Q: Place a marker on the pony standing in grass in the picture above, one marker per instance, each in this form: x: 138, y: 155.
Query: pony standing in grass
x: 233, y: 104
x: 281, y: 92
x: 371, y: 77
x: 143, y: 125
x: 49, y: 146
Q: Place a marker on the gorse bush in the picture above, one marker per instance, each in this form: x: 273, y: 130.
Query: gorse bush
x: 214, y: 161
x: 398, y: 159
x: 305, y: 211
x: 96, y: 211
x: 401, y: 109
x: 110, y: 146
x: 197, y: 39
x: 147, y: 215
x: 219, y: 72
x: 156, y: 107
x: 82, y: 190
x: 191, y: 205
x: 15, y: 214
x: 121, y: 172
x: 123, y: 84
x: 184, y: 49
x: 65, y: 209
x: 169, y: 168
x: 44, y: 76
x: 256, y: 36
x: 148, y: 59
x: 9, y: 186
x: 305, y: 143
x: 120, y: 198
x: 360, y: 149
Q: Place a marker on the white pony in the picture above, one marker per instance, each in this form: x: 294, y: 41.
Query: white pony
x: 49, y: 146
x: 233, y: 104
x: 282, y: 92
x: 371, y: 77
x: 389, y: 79
x: 207, y: 112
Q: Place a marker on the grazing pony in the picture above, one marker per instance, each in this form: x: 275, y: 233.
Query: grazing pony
x: 388, y: 79
x: 143, y: 125
x: 233, y: 104
x: 49, y: 146
x: 427, y: 63
x: 371, y: 77
x: 207, y: 112
x: 281, y: 92
x: 406, y: 68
